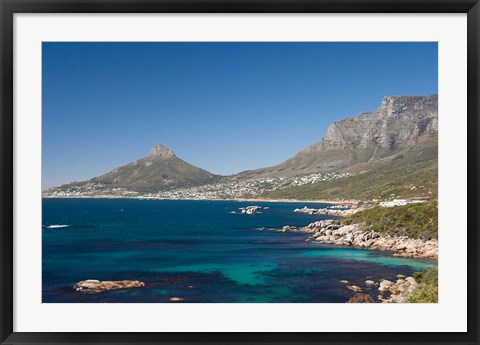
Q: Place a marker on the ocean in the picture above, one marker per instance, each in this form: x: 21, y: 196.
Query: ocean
x: 199, y: 252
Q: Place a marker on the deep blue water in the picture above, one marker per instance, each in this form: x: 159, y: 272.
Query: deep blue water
x: 198, y: 251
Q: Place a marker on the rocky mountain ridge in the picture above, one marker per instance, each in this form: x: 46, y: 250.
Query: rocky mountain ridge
x: 400, y: 123
x: 401, y: 126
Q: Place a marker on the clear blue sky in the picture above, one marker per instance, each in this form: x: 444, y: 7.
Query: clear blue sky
x: 225, y: 107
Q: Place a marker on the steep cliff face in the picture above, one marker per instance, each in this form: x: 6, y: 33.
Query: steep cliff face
x: 400, y: 123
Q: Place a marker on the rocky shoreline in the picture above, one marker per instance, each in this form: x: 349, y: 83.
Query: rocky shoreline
x: 388, y: 291
x: 334, y: 232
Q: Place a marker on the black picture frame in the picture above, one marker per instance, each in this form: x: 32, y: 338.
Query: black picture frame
x: 10, y: 7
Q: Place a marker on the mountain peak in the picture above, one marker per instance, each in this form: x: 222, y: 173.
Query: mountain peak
x: 160, y: 151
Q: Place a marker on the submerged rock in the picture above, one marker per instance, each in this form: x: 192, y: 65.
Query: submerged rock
x: 361, y: 298
x: 94, y: 286
x: 354, y: 288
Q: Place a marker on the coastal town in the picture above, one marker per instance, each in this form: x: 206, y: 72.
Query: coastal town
x: 234, y: 188
x: 228, y: 188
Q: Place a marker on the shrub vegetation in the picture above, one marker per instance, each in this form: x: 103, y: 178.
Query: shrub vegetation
x: 427, y: 290
x: 414, y: 220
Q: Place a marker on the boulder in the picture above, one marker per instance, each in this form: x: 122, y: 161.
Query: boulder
x: 322, y: 238
x: 397, y: 299
x: 411, y: 280
x: 348, y: 228
x: 432, y: 253
x: 385, y: 285
x: 391, y: 242
x: 347, y: 241
x: 411, y: 249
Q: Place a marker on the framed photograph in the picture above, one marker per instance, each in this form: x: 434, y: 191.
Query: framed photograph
x: 239, y: 172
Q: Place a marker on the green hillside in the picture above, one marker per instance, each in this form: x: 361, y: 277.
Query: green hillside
x: 154, y: 175
x: 409, y: 174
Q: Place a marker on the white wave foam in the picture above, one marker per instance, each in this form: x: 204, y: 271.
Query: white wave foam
x: 56, y: 226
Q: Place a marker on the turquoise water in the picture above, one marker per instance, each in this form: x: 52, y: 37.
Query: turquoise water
x: 198, y: 251
x: 369, y: 256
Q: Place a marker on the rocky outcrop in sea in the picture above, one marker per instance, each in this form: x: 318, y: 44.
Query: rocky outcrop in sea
x: 95, y: 286
x: 250, y: 209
